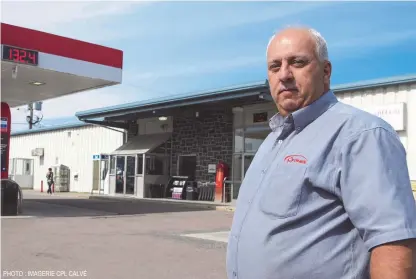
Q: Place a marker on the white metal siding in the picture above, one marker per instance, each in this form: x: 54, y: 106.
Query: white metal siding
x: 389, y: 95
x: 72, y: 147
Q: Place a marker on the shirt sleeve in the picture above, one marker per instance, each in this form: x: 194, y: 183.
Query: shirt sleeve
x: 375, y: 187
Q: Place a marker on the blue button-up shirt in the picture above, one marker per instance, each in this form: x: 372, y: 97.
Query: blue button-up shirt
x: 329, y: 183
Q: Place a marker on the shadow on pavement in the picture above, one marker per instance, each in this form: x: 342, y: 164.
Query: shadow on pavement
x: 74, y: 207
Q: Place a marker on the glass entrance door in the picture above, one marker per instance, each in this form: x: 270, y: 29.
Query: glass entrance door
x: 241, y: 163
x: 130, y: 174
x: 246, y: 143
x: 120, y: 172
x: 248, y: 158
x: 125, y: 174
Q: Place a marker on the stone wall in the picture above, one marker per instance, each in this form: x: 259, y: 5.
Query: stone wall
x: 209, y: 136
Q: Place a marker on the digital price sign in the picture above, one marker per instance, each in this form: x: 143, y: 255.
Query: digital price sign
x: 259, y: 117
x: 20, y: 55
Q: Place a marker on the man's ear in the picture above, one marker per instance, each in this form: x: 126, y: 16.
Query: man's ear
x: 327, y: 71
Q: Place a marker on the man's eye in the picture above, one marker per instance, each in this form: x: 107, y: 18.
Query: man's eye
x: 299, y: 62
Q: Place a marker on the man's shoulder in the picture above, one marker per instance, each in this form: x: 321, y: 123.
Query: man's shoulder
x: 356, y: 121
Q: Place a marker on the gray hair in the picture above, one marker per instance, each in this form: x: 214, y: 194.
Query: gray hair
x: 320, y: 48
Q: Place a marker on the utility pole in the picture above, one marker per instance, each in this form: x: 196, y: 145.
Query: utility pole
x: 30, y: 116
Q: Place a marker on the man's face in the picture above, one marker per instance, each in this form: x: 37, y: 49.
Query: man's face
x: 296, y: 76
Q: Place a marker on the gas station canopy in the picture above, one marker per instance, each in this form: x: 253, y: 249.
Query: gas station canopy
x: 37, y: 66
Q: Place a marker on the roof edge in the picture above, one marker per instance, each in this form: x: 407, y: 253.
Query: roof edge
x: 229, y: 90
x: 375, y: 83
x: 50, y: 129
x: 173, y: 98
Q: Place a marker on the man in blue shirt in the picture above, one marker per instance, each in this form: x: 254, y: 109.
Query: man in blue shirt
x: 328, y: 193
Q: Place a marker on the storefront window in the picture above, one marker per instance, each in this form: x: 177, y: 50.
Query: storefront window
x: 139, y: 164
x: 120, y: 166
x: 248, y: 137
x: 253, y: 138
x: 154, y: 165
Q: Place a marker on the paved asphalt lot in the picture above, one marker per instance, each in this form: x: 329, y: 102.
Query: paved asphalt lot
x: 99, y: 239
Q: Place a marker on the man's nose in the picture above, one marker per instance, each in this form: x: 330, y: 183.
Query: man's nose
x: 285, y: 73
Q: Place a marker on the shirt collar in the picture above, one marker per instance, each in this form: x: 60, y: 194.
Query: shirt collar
x: 303, y: 117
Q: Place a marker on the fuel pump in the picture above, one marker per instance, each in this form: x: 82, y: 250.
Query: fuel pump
x: 10, y: 191
x: 5, y: 139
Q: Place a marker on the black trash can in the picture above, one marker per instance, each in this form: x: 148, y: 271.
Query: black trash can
x: 191, y: 193
x: 9, y: 198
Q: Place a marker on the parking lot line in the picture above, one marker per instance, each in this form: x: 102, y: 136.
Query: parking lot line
x: 221, y: 236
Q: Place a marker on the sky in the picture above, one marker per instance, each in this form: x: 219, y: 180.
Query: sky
x: 176, y: 47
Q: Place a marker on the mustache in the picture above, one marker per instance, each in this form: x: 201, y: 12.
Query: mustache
x: 287, y: 88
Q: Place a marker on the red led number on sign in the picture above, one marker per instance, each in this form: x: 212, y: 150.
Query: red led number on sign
x: 32, y: 57
x: 21, y: 56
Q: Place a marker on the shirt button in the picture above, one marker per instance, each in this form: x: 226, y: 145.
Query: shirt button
x: 280, y: 141
x: 249, y: 201
x: 234, y: 274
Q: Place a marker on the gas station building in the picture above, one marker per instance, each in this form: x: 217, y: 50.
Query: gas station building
x: 189, y: 135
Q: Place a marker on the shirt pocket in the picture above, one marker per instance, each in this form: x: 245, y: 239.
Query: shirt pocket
x: 280, y: 198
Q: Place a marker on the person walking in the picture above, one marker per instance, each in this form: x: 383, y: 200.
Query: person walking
x: 50, y: 180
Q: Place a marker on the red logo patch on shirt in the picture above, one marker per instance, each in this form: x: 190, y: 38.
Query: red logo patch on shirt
x: 297, y: 159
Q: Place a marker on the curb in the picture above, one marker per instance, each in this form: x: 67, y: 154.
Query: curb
x: 226, y: 208
x: 216, y: 207
x: 58, y: 194
x: 66, y: 195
